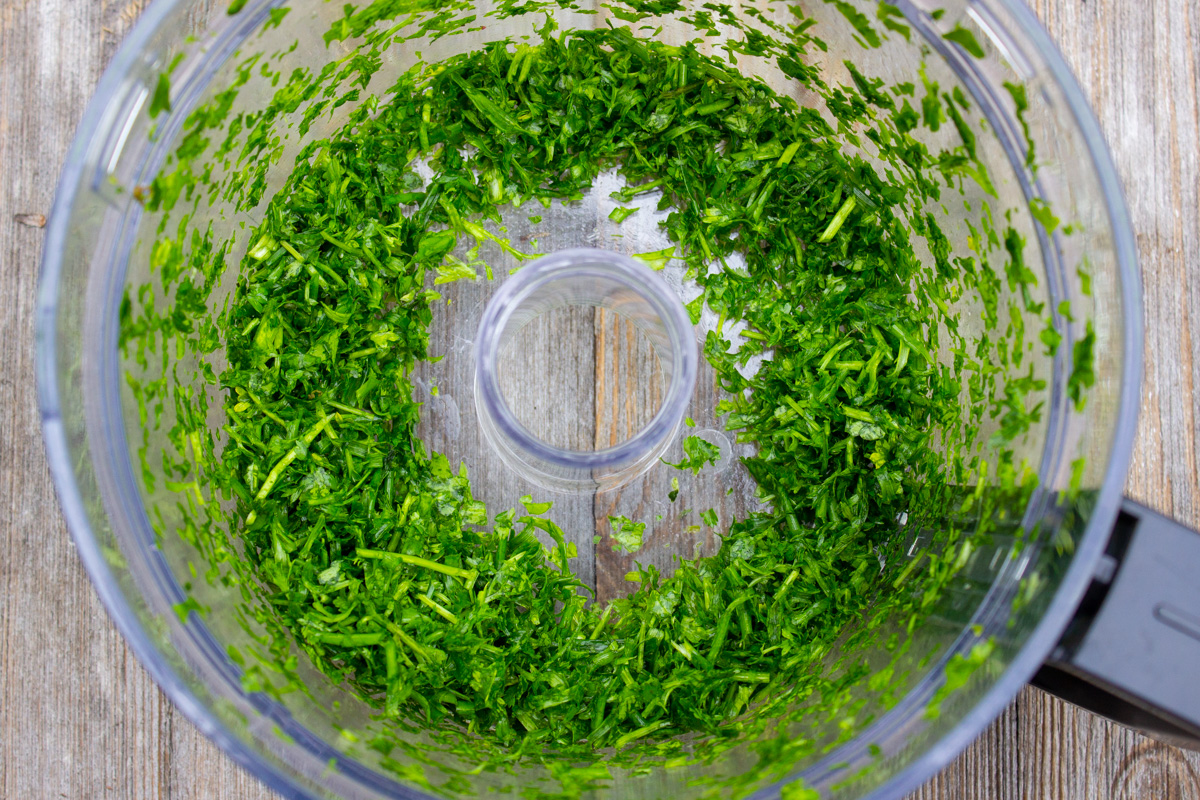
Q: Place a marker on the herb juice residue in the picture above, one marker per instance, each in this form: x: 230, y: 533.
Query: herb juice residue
x: 355, y: 544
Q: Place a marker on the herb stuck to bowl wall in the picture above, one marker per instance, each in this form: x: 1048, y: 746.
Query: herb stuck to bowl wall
x: 877, y: 336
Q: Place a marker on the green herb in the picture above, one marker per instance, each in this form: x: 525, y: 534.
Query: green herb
x: 958, y: 671
x: 535, y: 508
x: 1042, y: 213
x: 370, y: 554
x: 965, y: 39
x: 657, y: 259
x: 626, y: 534
x: 1083, y: 372
x: 892, y: 18
x: 333, y: 313
x: 697, y: 453
x: 160, y: 101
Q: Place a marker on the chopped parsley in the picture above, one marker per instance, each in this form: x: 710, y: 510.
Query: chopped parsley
x: 367, y: 551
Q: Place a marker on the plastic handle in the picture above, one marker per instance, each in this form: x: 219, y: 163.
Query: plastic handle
x: 1132, y: 652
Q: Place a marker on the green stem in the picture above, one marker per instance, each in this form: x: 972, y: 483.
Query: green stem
x: 273, y: 475
x: 468, y: 575
x: 839, y: 218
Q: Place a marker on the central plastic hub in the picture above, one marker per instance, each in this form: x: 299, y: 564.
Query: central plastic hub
x: 584, y: 277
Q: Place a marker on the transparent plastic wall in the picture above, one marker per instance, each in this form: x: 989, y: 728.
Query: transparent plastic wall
x: 116, y: 453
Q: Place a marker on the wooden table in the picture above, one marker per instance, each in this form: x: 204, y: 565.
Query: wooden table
x: 79, y: 718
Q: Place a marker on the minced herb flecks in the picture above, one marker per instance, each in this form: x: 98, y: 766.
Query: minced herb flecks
x: 372, y: 544
x: 353, y: 541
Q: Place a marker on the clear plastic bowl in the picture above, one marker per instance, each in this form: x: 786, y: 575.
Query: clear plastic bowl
x: 98, y: 243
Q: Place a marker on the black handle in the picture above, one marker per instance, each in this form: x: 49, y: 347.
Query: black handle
x: 1132, y: 652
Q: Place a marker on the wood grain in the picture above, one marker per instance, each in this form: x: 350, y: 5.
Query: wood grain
x: 673, y: 528
x: 79, y: 718
x: 1138, y: 65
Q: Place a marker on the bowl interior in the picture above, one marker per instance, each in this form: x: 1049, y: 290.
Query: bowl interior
x: 1022, y: 260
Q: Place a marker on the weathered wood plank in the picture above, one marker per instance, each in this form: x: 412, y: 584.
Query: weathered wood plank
x: 623, y: 406
x: 1138, y: 65
x: 1070, y: 753
x: 79, y: 718
x: 988, y: 768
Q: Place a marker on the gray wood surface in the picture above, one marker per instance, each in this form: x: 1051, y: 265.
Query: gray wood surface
x: 80, y: 719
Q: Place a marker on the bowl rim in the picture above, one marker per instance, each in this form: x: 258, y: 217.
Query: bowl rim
x: 1030, y: 655
x: 1091, y: 545
x: 58, y: 459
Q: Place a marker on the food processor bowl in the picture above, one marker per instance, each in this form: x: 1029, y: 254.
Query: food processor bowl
x: 128, y: 411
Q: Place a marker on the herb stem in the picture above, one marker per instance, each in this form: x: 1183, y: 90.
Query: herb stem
x: 437, y: 607
x: 600, y: 624
x: 468, y: 575
x: 839, y: 219
x: 639, y: 733
x: 350, y: 639
x: 277, y: 471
